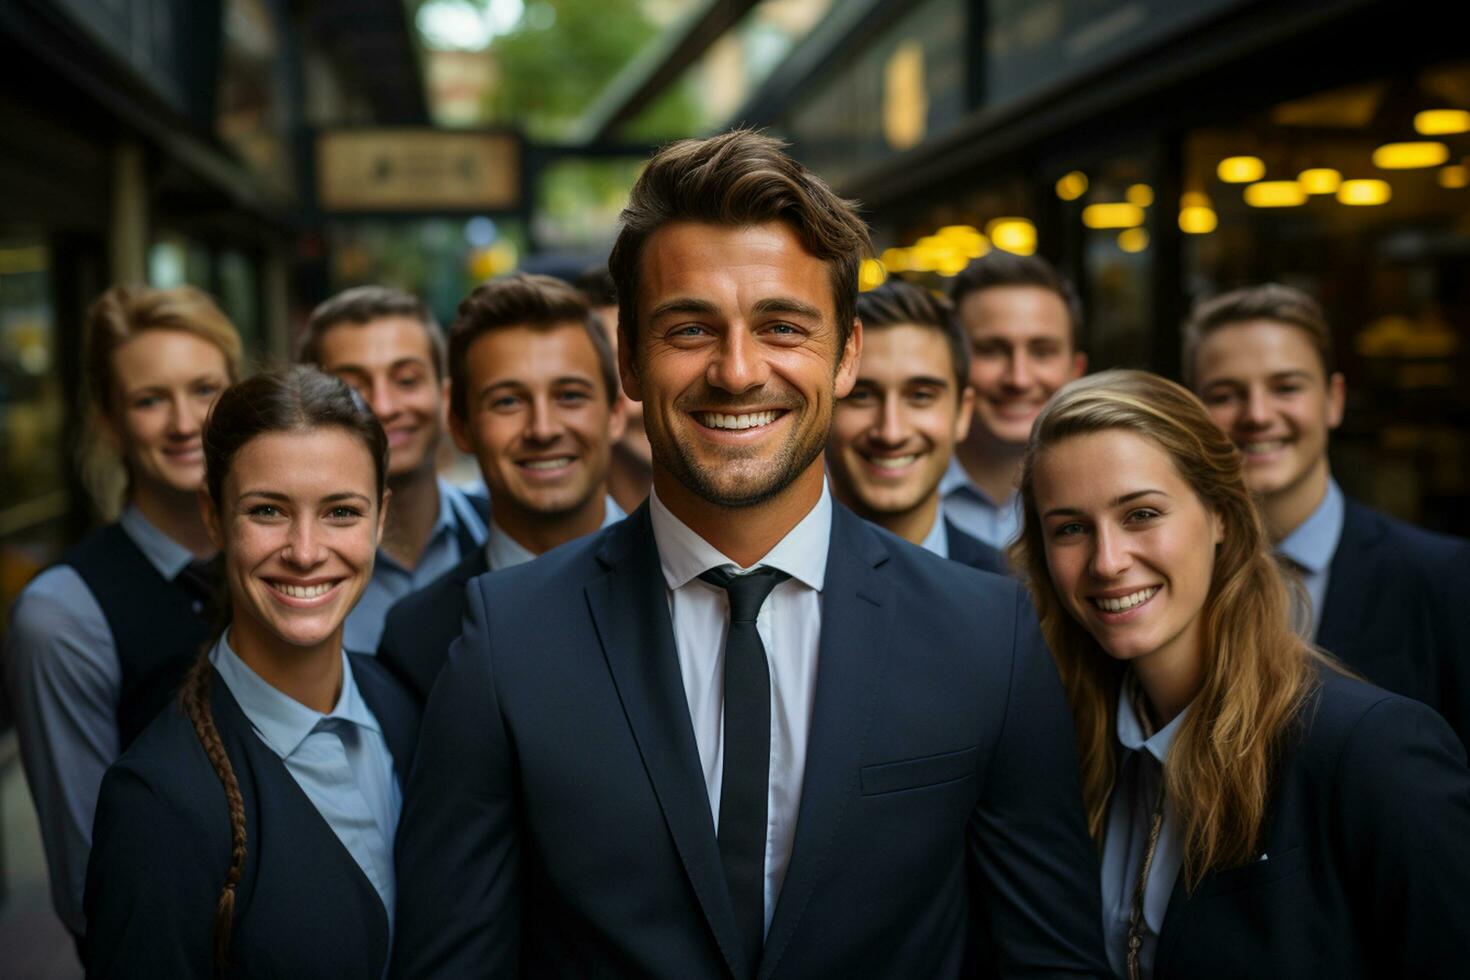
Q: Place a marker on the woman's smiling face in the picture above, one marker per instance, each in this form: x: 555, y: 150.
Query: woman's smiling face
x: 298, y: 525
x: 1130, y: 546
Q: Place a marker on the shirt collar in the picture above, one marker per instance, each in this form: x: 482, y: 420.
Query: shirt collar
x: 802, y: 553
x: 1132, y: 732
x: 282, y: 722
x: 937, y: 540
x: 1313, y: 543
x: 162, y: 551
x: 956, y: 477
x: 504, y: 551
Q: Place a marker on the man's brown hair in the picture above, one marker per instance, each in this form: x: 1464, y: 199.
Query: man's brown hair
x: 898, y: 303
x: 522, y: 300
x: 360, y: 306
x: 1000, y: 268
x: 738, y: 178
x: 1269, y: 301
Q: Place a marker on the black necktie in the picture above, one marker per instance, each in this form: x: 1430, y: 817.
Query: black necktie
x: 742, y: 830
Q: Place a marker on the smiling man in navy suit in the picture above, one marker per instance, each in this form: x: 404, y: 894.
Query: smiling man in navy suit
x: 744, y: 733
x: 1385, y: 597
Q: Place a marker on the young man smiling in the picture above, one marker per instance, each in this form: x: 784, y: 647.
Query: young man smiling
x: 1385, y: 597
x: 894, y: 435
x: 1024, y: 323
x: 744, y: 731
x: 385, y: 344
x: 533, y: 396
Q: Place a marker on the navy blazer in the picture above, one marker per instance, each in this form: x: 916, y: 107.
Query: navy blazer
x: 1397, y: 611
x: 969, y: 550
x: 421, y: 626
x: 557, y: 821
x: 161, y: 847
x: 1366, y: 846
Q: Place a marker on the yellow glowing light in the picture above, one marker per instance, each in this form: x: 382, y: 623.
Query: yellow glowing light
x: 1133, y: 240
x: 1072, y: 186
x: 1275, y: 194
x: 952, y: 264
x: 965, y: 239
x: 1241, y: 170
x: 1194, y: 199
x: 871, y: 274
x: 1319, y: 180
x: 1441, y: 122
x: 895, y: 259
x: 1410, y: 156
x: 1016, y: 235
x: 1197, y: 220
x: 1364, y: 192
x: 1140, y: 194
x: 1455, y: 177
x: 1117, y: 215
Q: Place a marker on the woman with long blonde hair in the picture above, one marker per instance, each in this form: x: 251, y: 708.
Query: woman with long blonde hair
x: 99, y: 642
x: 1259, y: 812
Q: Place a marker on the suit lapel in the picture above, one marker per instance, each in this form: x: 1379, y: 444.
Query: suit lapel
x: 1347, y: 601
x: 399, y: 723
x: 852, y: 654
x: 630, y: 607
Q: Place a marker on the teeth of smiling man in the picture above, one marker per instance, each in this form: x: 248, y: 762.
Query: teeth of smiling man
x: 304, y: 591
x: 1264, y: 447
x: 716, y: 420
x: 1127, y: 601
x: 547, y: 464
x: 893, y: 462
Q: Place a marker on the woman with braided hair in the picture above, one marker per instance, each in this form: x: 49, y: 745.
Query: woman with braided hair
x: 248, y: 831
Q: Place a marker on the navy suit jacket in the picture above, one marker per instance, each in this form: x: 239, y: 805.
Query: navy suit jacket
x: 969, y: 550
x: 421, y: 626
x: 1367, y: 855
x: 161, y: 847
x: 557, y: 821
x: 1397, y: 611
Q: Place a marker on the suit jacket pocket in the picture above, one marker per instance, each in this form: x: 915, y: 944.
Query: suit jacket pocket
x: 931, y: 770
x: 1274, y: 868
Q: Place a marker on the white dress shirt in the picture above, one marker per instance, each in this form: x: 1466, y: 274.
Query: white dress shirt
x: 789, y: 624
x: 504, y: 551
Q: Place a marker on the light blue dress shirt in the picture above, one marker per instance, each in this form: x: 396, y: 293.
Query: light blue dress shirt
x: 340, y: 760
x: 391, y: 581
x: 504, y: 551
x: 64, y: 681
x: 1311, y: 547
x: 937, y: 540
x: 997, y: 524
x: 1130, y: 817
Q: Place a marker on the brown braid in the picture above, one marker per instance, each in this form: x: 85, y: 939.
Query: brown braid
x: 194, y: 698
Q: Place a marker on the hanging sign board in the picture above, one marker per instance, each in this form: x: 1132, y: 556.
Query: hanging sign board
x: 417, y: 170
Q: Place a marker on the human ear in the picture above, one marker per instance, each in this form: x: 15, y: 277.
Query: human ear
x: 210, y: 515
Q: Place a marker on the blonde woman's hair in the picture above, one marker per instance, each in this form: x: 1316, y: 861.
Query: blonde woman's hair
x: 118, y: 315
x: 1257, y: 672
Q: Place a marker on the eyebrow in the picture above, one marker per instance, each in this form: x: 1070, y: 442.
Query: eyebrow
x: 414, y: 361
x: 516, y: 383
x: 784, y: 304
x: 330, y: 498
x: 1293, y: 374
x: 1115, y: 502
x: 684, y: 304
x: 161, y: 386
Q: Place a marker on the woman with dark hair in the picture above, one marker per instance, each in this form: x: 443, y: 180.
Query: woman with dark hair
x: 249, y: 832
x: 98, y: 643
x: 1259, y: 812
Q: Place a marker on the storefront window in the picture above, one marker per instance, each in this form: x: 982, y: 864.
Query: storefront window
x: 1358, y: 196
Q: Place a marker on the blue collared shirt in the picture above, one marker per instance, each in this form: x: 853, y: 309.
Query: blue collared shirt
x: 1311, y: 547
x: 339, y: 759
x: 937, y: 540
x: 1130, y: 817
x: 997, y: 524
x: 504, y: 551
x: 64, y: 681
x: 391, y: 581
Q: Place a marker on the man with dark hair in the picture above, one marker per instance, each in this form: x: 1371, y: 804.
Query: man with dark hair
x: 534, y: 397
x: 631, y: 474
x: 743, y: 731
x: 1387, y: 598
x: 385, y: 344
x: 1024, y: 323
x: 893, y: 436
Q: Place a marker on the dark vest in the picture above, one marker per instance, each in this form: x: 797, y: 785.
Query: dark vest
x: 158, y: 626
